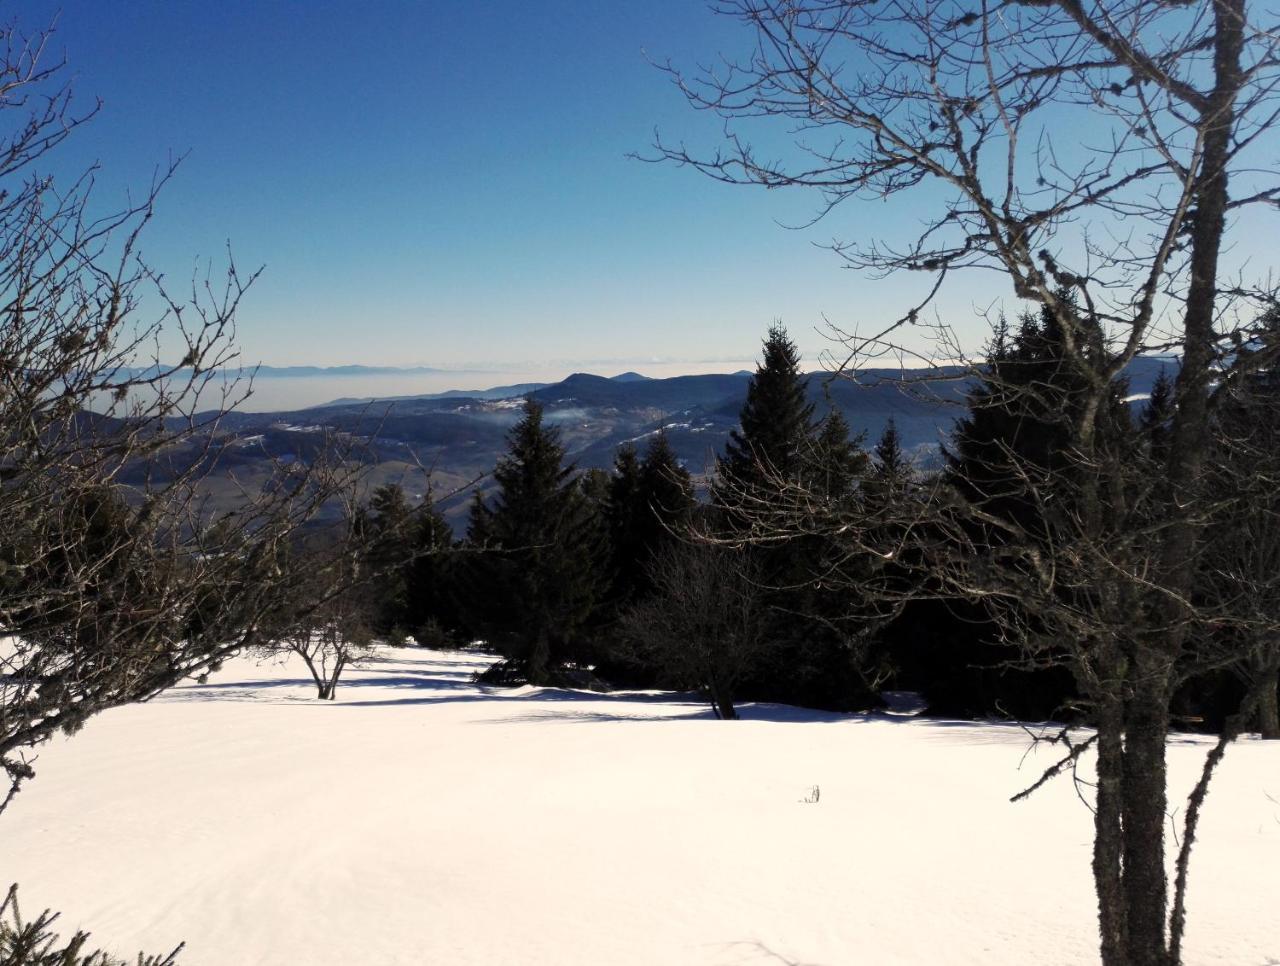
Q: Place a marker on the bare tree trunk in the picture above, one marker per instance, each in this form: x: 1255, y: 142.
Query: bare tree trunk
x: 1147, y: 724
x: 339, y: 664
x: 1145, y: 800
x: 315, y: 674
x: 721, y: 699
x: 1269, y: 708
x: 539, y: 658
x: 725, y: 708
x: 1108, y: 840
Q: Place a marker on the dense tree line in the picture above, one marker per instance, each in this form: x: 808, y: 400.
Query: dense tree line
x: 629, y: 574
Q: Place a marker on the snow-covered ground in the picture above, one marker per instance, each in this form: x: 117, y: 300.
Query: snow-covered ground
x: 420, y: 819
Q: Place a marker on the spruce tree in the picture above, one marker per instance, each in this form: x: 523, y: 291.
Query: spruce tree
x: 594, y: 486
x: 771, y: 449
x: 838, y: 461
x: 390, y: 555
x: 1156, y: 416
x: 432, y: 611
x: 775, y: 426
x: 778, y: 447
x: 891, y: 464
x: 623, y: 512
x: 666, y: 500
x: 1016, y: 429
x: 891, y: 472
x: 649, y: 503
x: 1242, y: 555
x: 828, y: 660
x: 1010, y: 457
x: 534, y: 594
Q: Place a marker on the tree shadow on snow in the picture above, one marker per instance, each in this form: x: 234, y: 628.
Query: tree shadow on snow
x: 450, y: 679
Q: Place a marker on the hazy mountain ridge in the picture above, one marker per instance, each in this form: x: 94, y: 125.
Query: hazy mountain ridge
x: 459, y: 436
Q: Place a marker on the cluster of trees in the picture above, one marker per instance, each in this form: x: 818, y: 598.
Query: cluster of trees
x: 743, y: 594
x: 628, y: 573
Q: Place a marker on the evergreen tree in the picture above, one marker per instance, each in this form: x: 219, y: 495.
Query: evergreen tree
x: 891, y: 464
x: 594, y: 486
x: 892, y: 472
x: 534, y: 597
x: 1241, y: 561
x: 1016, y: 429
x: 775, y: 426
x: 1154, y: 423
x: 778, y: 447
x: 649, y: 506
x: 838, y: 461
x: 1010, y: 456
x: 86, y: 554
x: 650, y: 500
x: 829, y: 663
x: 623, y: 513
x: 666, y: 500
x: 432, y: 611
x: 1151, y: 451
x: 390, y: 555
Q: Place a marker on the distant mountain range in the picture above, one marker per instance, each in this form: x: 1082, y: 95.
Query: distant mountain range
x: 497, y: 392
x: 459, y: 435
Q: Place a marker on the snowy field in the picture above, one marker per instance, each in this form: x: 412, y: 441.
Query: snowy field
x: 421, y: 819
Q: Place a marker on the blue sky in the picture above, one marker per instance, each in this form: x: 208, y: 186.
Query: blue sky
x: 447, y: 183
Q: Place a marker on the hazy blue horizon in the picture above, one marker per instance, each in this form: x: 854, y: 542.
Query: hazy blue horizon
x: 449, y: 184
x: 441, y: 184
x: 276, y: 393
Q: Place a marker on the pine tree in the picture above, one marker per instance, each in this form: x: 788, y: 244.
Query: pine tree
x: 775, y: 426
x: 1153, y: 425
x: 1010, y: 457
x: 432, y: 611
x: 1242, y: 556
x: 534, y: 597
x: 892, y: 472
x: 623, y: 511
x: 390, y: 555
x: 666, y: 500
x: 1017, y: 425
x: 891, y: 464
x: 649, y: 502
x: 838, y: 461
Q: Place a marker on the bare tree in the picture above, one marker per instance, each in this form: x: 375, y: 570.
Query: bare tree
x: 704, y: 626
x: 1118, y: 236
x: 328, y: 642
x: 340, y: 631
x: 110, y: 593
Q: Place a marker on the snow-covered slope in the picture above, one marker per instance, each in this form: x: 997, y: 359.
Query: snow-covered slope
x: 419, y: 819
